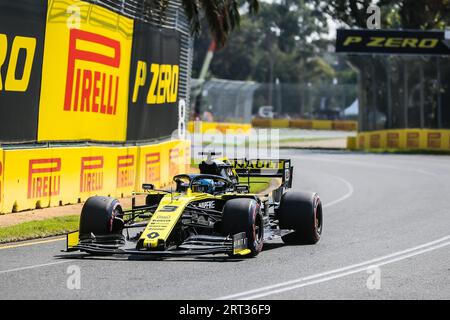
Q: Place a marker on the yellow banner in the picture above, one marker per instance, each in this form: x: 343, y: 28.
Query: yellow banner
x: 1, y: 180
x: 404, y: 139
x: 306, y: 124
x: 150, y: 165
x: 126, y: 171
x: 222, y: 127
x: 85, y: 74
x: 38, y: 178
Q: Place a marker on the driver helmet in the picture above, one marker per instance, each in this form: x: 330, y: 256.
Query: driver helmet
x: 204, y: 185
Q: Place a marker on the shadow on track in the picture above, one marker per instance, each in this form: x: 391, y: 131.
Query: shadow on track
x: 85, y: 256
x: 222, y: 258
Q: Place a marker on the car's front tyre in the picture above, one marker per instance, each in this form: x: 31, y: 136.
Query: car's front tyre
x: 244, y: 215
x: 101, y: 217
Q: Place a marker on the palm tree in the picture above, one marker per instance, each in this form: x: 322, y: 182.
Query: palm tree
x: 222, y: 16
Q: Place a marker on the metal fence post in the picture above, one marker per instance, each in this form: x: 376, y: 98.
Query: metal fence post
x: 439, y: 95
x: 422, y: 96
x: 405, y: 92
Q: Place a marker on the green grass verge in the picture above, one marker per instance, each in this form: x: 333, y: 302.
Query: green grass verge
x: 39, y: 229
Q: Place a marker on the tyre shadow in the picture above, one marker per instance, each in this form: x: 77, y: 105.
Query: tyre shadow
x: 85, y: 256
x: 270, y: 246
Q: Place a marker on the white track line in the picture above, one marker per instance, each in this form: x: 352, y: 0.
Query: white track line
x: 342, y: 272
x: 32, y: 243
x: 344, y: 197
x: 34, y: 266
x: 338, y: 273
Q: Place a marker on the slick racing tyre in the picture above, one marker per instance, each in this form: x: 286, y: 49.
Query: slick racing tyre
x: 244, y: 215
x: 101, y: 216
x: 301, y: 212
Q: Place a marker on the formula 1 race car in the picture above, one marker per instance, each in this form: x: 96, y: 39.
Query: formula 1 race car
x: 208, y: 213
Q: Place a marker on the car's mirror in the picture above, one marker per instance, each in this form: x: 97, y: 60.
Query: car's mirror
x: 148, y: 186
x: 242, y: 188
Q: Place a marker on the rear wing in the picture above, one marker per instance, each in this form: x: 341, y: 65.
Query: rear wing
x: 270, y: 168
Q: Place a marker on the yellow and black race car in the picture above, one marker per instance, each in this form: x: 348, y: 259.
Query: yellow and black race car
x: 208, y: 213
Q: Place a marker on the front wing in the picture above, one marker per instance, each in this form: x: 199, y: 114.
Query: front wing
x: 192, y: 246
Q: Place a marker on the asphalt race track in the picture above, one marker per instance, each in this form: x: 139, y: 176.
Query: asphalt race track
x: 384, y: 215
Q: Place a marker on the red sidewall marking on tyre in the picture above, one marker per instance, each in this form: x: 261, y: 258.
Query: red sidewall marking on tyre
x: 111, y: 221
x: 257, y: 244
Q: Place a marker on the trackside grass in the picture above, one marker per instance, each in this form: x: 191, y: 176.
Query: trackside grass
x: 39, y: 229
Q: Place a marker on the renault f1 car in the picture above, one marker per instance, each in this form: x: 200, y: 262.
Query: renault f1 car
x: 212, y: 212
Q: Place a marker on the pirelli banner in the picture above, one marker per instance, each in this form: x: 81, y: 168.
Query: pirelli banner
x: 44, y: 177
x: 22, y: 29
x: 85, y: 73
x: 393, y: 42
x: 77, y: 71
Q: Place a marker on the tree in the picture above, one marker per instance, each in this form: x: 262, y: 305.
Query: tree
x: 407, y: 14
x: 282, y: 41
x: 399, y: 91
x: 222, y: 16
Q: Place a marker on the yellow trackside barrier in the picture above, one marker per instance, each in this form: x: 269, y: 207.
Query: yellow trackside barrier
x: 261, y: 123
x: 404, y: 139
x: 187, y: 156
x: 271, y: 123
x: 344, y: 125
x: 184, y: 159
x: 150, y: 165
x: 1, y: 180
x: 31, y: 178
x: 174, y: 153
x: 44, y: 177
x: 126, y: 166
x: 233, y: 127
x: 222, y: 127
x: 166, y: 149
x: 306, y: 124
x: 361, y: 141
x: 395, y: 139
x: 377, y: 140
x: 175, y: 159
x: 351, y: 143
x: 160, y: 162
x: 322, y: 124
x: 95, y: 168
x: 279, y: 123
x: 301, y: 124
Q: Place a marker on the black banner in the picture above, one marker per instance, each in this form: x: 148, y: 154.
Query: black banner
x: 22, y: 30
x: 154, y: 83
x: 392, y: 42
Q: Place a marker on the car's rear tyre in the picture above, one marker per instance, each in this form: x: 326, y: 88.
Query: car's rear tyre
x: 244, y: 215
x: 301, y: 212
x: 101, y: 216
